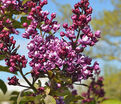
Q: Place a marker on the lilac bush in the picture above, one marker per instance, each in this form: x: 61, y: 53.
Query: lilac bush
x: 61, y: 60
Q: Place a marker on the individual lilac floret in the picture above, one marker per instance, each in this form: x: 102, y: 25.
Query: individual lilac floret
x: 96, y: 68
x: 97, y: 33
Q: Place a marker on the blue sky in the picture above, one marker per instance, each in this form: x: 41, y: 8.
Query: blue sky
x: 97, y: 7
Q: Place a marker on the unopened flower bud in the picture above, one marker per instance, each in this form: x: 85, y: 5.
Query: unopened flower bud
x: 25, y: 24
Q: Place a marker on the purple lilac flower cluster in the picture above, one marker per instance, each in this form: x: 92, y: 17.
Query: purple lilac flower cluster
x: 10, y: 3
x: 95, y: 91
x: 15, y: 5
x: 7, y: 43
x: 80, y: 19
x: 50, y: 55
x: 51, y: 52
x: 39, y: 18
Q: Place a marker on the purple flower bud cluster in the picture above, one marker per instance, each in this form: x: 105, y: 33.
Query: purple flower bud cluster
x: 95, y: 90
x: 7, y: 42
x: 13, y: 81
x: 16, y: 61
x: 81, y: 18
x: 11, y: 4
x: 39, y: 19
x: 6, y: 26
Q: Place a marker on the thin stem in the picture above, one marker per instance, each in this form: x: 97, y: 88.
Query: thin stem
x: 41, y: 32
x: 78, y: 35
x: 24, y: 86
x: 27, y: 73
x: 34, y: 80
x: 81, y: 84
x: 75, y: 43
x: 31, y: 86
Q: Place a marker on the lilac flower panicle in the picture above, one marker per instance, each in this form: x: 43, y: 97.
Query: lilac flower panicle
x: 49, y: 54
x: 52, y: 52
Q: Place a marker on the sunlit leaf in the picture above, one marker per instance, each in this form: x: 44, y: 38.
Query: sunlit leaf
x: 47, y: 90
x: 24, y: 1
x: 27, y: 98
x: 111, y: 101
x: 72, y: 98
x: 49, y: 100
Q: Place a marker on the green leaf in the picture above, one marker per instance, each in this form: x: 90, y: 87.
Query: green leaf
x: 17, y: 24
x: 64, y: 93
x: 5, y: 69
x: 39, y: 83
x: 24, y: 19
x: 3, y: 86
x: 24, y: 1
x: 50, y: 33
x: 47, y: 90
x: 38, y: 99
x: 111, y: 101
x: 50, y: 74
x: 27, y: 98
x: 13, y: 99
x: 15, y: 93
x: 2, y: 57
x: 49, y: 100
x: 70, y: 98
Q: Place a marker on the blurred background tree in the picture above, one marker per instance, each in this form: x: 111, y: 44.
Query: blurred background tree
x: 108, y: 48
x: 109, y: 22
x: 112, y: 83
